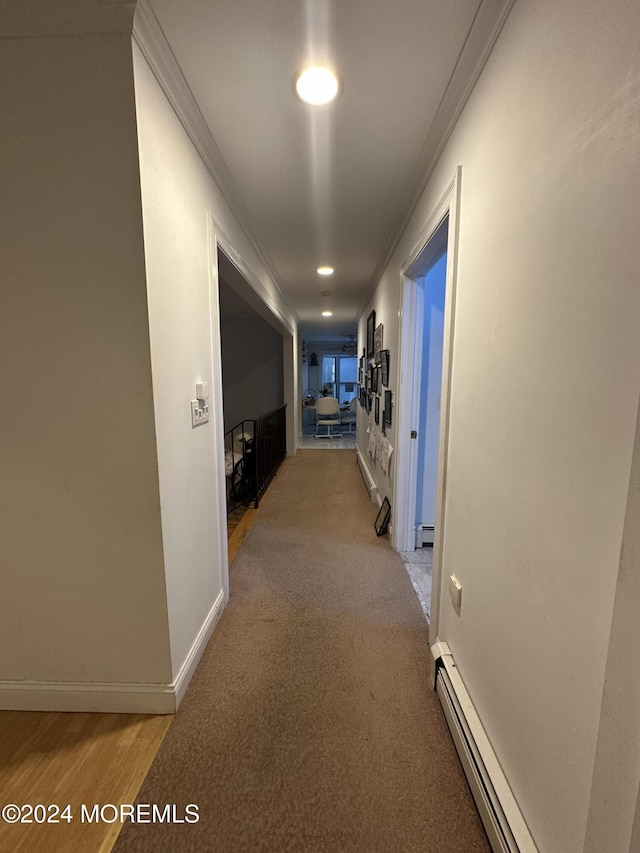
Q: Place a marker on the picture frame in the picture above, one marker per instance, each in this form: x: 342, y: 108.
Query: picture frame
x: 371, y: 326
x: 388, y: 400
x: 384, y: 365
x: 377, y: 410
x: 381, y: 523
x: 377, y: 343
x: 374, y: 379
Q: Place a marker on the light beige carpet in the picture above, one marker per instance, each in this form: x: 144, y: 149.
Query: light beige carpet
x: 311, y: 724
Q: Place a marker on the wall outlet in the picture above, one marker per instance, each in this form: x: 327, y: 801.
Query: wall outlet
x: 199, y: 413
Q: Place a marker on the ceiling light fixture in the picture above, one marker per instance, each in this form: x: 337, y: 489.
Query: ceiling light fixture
x: 327, y: 313
x: 325, y: 270
x: 317, y: 85
x: 326, y: 293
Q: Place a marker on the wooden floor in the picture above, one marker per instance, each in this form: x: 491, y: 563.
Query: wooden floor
x: 234, y: 518
x: 239, y: 523
x: 58, y: 759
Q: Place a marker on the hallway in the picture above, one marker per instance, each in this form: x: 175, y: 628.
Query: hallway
x: 311, y: 723
x: 154, y: 150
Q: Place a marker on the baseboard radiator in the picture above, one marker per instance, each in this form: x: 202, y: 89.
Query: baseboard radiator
x: 425, y: 535
x: 369, y: 482
x: 502, y: 819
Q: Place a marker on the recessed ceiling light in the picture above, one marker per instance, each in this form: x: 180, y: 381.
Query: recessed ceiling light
x: 317, y: 85
x: 325, y: 270
x: 327, y: 313
x: 326, y: 293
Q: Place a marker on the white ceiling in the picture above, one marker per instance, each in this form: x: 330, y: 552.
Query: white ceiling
x: 324, y: 185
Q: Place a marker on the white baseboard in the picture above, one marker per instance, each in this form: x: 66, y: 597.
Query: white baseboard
x: 369, y: 482
x: 497, y: 806
x: 111, y: 698
x: 188, y: 668
x: 106, y: 698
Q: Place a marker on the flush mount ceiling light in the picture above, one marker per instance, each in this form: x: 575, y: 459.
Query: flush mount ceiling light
x: 325, y: 270
x: 317, y: 85
x: 326, y: 293
x: 327, y: 313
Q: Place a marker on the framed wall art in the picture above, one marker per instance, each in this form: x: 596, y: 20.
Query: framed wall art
x: 371, y: 327
x: 381, y: 523
x: 377, y: 343
x: 388, y: 398
x: 384, y: 364
x: 377, y: 410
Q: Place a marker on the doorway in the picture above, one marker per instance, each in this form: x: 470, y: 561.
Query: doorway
x: 428, y: 379
x: 329, y: 368
x: 430, y: 292
x: 426, y: 336
x: 253, y: 362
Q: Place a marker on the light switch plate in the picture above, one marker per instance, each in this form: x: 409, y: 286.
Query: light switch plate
x: 199, y: 413
x: 455, y: 591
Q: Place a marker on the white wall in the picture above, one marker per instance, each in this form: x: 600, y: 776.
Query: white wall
x: 292, y: 392
x: 83, y: 598
x: 545, y: 383
x: 179, y: 199
x: 111, y: 577
x: 615, y: 793
x: 385, y: 304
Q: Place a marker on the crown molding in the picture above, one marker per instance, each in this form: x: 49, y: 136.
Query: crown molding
x: 151, y: 40
x: 223, y: 242
x: 57, y: 18
x: 485, y: 29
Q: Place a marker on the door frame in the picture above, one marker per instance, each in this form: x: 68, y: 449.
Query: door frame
x: 411, y: 335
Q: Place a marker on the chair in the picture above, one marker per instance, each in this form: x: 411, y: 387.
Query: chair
x: 327, y: 414
x: 350, y: 417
